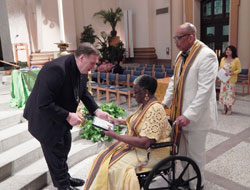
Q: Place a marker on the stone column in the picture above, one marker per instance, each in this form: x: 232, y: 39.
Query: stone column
x: 5, y: 33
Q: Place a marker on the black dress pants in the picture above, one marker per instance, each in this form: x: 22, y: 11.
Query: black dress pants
x: 56, y: 157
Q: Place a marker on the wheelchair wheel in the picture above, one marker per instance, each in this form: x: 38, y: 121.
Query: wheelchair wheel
x: 169, y: 174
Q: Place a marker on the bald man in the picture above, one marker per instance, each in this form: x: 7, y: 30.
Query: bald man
x: 191, y: 95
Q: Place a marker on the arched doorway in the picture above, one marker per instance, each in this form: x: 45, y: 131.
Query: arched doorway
x: 215, y: 24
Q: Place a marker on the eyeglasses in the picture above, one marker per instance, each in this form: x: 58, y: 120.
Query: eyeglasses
x: 176, y: 38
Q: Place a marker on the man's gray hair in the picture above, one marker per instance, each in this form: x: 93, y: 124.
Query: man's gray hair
x: 86, y: 49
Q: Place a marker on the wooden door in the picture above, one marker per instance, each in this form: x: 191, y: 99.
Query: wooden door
x: 215, y: 24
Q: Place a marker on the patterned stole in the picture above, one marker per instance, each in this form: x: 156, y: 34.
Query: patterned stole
x: 113, y: 153
x: 179, y: 81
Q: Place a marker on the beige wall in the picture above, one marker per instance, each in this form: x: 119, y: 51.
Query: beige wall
x: 19, y: 23
x: 88, y: 10
x: 140, y: 21
x: 177, y: 18
x: 243, y: 34
x: 51, y: 28
x: 162, y: 30
x: 149, y: 29
x: 23, y: 24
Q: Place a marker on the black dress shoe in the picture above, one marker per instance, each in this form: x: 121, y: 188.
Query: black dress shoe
x: 76, y: 182
x: 68, y: 188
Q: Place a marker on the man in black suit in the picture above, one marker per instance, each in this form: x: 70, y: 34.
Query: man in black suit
x: 51, y: 109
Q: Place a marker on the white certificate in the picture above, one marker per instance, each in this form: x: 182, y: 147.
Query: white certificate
x: 103, y: 124
x: 222, y: 75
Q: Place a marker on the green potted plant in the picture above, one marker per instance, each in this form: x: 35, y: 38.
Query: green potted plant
x: 116, y: 52
x: 103, y: 45
x: 112, y: 17
x: 88, y: 34
x: 93, y: 133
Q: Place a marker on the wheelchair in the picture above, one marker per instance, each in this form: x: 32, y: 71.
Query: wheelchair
x: 169, y: 172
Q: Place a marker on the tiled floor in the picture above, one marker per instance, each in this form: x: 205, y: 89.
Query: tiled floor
x: 228, y: 147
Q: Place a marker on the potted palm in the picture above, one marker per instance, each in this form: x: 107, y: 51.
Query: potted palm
x: 112, y: 17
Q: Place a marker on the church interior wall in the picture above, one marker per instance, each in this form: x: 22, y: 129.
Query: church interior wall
x: 243, y: 33
x: 149, y: 29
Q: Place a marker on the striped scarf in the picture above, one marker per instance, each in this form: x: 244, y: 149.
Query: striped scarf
x: 179, y: 79
x: 112, y: 154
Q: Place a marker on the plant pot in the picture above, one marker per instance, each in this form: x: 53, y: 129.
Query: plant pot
x: 114, y: 41
x: 8, y: 72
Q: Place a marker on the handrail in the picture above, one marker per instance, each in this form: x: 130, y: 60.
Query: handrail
x: 5, y: 62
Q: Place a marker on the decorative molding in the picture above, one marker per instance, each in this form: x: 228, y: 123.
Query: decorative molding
x: 189, y: 17
x: 233, y: 22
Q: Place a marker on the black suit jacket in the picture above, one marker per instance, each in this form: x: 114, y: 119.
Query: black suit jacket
x: 56, y: 92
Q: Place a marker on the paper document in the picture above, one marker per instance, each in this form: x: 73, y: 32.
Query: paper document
x: 105, y: 125
x: 222, y: 75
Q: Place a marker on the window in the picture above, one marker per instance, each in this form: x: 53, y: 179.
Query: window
x: 224, y: 46
x: 210, y: 31
x: 218, y: 7
x: 227, y: 6
x: 211, y: 45
x: 208, y: 9
x: 225, y: 30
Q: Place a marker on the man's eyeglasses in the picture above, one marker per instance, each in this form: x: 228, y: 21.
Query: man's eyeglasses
x: 179, y: 37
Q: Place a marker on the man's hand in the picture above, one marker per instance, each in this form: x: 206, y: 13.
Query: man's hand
x: 182, y: 121
x: 102, y: 114
x: 74, y: 119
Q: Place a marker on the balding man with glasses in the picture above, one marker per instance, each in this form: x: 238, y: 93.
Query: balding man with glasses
x: 191, y: 95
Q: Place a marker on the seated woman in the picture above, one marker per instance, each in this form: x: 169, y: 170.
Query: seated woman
x: 115, y: 167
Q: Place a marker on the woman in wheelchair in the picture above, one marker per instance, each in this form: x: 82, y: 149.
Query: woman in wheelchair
x: 115, y: 167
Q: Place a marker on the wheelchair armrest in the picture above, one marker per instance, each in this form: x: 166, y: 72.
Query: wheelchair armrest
x: 160, y: 145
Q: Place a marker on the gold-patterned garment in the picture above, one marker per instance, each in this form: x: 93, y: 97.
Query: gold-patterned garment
x: 122, y: 174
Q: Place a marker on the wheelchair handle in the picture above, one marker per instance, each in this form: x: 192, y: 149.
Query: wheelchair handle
x: 161, y: 145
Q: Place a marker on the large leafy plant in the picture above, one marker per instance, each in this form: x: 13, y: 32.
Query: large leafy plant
x: 95, y: 134
x: 111, y: 53
x: 88, y: 34
x: 112, y: 17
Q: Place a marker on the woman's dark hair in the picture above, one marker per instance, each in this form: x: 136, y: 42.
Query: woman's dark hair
x: 234, y: 51
x: 146, y: 82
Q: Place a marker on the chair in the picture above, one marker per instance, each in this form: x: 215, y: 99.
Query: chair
x: 151, y: 73
x: 148, y: 68
x: 127, y: 91
x: 166, y: 171
x: 158, y: 66
x: 160, y: 75
x: 136, y: 73
x: 122, y: 80
x: 217, y: 88
x: 94, y: 82
x: 169, y: 72
x: 159, y: 69
x: 112, y: 88
x: 130, y: 68
x: 126, y: 72
x: 139, y: 68
x: 102, y: 84
x: 244, y: 78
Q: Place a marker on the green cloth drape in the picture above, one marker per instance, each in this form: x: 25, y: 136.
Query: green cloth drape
x: 22, y: 83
